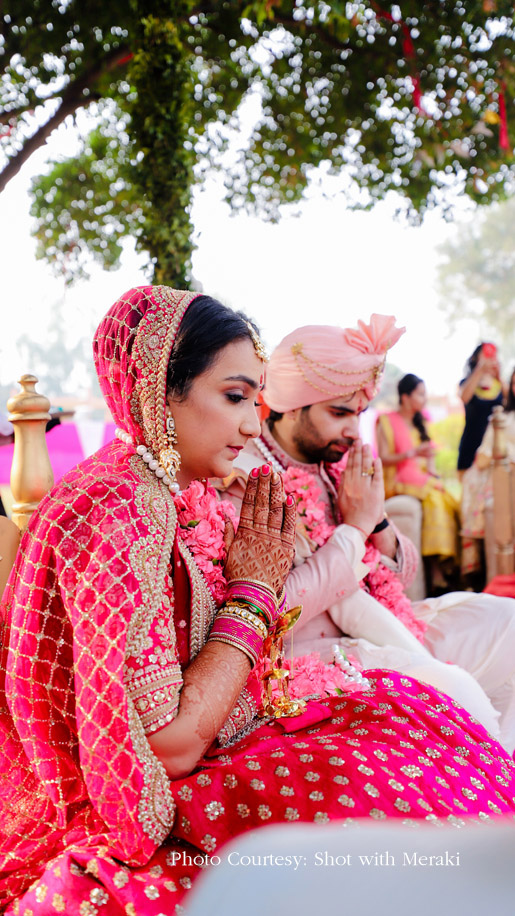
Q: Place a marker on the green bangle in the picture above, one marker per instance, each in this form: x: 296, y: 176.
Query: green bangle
x: 248, y: 604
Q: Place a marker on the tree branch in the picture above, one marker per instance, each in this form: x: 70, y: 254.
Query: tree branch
x: 72, y: 98
x: 10, y: 117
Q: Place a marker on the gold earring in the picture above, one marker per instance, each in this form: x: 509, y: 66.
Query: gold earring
x: 169, y: 457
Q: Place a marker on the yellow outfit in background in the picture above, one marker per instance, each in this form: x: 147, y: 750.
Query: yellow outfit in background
x: 440, y: 510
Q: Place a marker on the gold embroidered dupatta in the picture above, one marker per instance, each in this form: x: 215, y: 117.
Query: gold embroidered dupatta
x: 91, y: 575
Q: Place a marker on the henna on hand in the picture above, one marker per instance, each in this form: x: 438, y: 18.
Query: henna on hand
x: 212, y: 684
x: 264, y: 545
x: 206, y: 700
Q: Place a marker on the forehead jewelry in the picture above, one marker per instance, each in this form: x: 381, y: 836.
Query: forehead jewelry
x: 259, y: 346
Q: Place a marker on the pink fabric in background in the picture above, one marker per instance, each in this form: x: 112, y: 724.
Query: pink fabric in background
x: 109, y: 429
x: 6, y: 457
x: 64, y: 447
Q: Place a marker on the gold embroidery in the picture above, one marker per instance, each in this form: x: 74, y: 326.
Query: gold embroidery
x: 243, y: 713
x: 153, y: 343
x: 149, y: 556
x: 156, y: 808
x: 203, y: 608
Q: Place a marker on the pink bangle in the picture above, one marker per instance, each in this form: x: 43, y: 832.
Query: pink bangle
x: 237, y: 632
x: 256, y: 594
x: 248, y: 615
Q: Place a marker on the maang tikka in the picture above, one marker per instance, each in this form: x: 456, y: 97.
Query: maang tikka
x: 169, y: 457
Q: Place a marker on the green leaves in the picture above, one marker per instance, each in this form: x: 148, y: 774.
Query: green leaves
x: 477, y: 274
x: 409, y: 97
x: 87, y: 204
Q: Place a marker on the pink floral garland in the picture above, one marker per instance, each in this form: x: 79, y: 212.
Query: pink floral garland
x: 202, y: 517
x: 381, y: 582
x: 313, y: 676
x: 310, y: 511
x: 384, y: 586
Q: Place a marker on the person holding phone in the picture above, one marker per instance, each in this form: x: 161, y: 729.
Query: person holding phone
x: 480, y: 390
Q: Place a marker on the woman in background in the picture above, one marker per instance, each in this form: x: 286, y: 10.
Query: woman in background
x: 480, y: 390
x: 477, y: 490
x: 407, y: 453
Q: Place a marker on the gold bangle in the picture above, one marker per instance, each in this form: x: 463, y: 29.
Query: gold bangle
x: 246, y: 615
x: 248, y: 605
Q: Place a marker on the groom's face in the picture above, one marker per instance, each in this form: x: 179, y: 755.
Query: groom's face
x: 326, y: 431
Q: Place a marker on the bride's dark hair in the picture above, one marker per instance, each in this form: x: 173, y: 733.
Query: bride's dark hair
x: 407, y: 385
x: 207, y: 327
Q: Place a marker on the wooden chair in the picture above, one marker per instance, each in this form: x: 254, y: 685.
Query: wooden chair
x: 31, y: 473
x: 500, y: 516
x: 406, y: 513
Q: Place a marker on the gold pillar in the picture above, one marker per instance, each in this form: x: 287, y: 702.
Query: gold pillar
x: 31, y: 473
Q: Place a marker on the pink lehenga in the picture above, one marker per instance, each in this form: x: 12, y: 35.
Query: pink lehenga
x: 104, y: 610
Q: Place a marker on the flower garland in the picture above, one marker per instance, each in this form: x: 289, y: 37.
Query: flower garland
x: 310, y: 511
x: 381, y: 582
x: 310, y: 677
x: 201, y: 518
x: 385, y: 587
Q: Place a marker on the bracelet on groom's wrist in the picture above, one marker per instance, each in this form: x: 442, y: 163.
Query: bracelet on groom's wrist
x: 381, y: 525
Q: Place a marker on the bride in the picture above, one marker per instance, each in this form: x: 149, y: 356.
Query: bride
x: 135, y: 624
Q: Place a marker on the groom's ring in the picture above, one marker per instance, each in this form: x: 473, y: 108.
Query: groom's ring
x: 369, y: 473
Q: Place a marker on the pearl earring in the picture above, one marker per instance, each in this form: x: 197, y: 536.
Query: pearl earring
x: 169, y: 479
x: 169, y: 457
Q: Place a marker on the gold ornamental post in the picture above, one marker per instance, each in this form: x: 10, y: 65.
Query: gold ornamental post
x: 503, y: 496
x: 31, y: 473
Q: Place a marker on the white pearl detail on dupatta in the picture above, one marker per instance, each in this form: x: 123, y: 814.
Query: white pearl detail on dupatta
x: 147, y: 456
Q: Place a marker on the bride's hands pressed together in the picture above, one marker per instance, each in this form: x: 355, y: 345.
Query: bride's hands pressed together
x: 264, y: 545
x: 262, y: 550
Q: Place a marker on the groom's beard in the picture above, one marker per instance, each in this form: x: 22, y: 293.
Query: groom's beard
x: 315, y: 453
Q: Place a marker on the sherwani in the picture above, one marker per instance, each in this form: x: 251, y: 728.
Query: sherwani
x: 469, y: 643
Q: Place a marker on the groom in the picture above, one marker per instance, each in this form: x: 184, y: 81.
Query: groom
x: 319, y: 381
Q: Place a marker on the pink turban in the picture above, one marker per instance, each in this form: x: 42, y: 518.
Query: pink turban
x: 319, y: 362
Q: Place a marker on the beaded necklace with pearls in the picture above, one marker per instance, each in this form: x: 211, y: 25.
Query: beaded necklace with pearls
x: 147, y: 456
x: 271, y: 459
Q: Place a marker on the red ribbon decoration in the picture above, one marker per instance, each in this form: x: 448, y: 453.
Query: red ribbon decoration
x: 504, y: 140
x: 408, y: 49
x: 125, y: 60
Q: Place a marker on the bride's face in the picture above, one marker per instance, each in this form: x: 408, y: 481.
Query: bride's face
x: 218, y: 416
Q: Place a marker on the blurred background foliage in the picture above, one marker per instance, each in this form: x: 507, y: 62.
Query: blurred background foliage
x: 476, y: 276
x: 410, y: 97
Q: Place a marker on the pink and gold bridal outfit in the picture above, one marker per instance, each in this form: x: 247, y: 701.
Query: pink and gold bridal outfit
x: 104, y: 610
